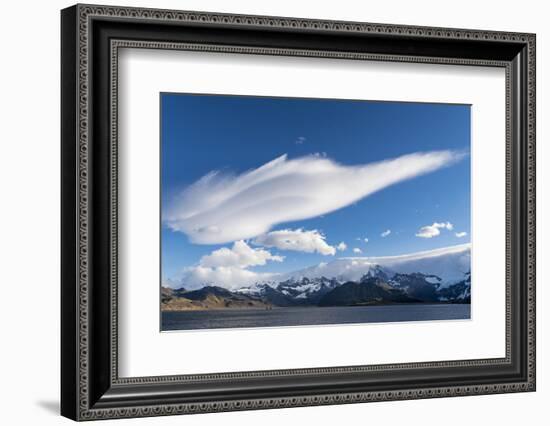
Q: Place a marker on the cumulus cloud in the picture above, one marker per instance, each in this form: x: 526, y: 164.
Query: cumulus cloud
x: 461, y: 234
x: 227, y: 267
x: 342, y: 246
x: 357, y: 250
x: 366, y: 240
x: 296, y: 240
x: 220, y: 208
x: 241, y: 255
x: 385, y: 233
x: 433, y: 230
x: 196, y: 277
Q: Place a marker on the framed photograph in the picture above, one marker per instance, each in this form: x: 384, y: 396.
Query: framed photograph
x: 263, y: 212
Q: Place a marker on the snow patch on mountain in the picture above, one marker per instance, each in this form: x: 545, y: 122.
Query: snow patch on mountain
x: 441, y: 267
x: 449, y: 263
x: 340, y: 269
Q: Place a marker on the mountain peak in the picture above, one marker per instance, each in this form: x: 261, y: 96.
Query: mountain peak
x: 448, y: 265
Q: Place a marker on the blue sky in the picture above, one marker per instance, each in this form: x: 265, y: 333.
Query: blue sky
x: 234, y: 135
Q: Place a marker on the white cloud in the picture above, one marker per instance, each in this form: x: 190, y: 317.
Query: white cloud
x: 357, y: 250
x: 461, y: 234
x: 228, y: 277
x: 342, y: 246
x: 227, y: 267
x: 366, y: 240
x: 241, y: 255
x: 296, y: 240
x: 385, y: 233
x: 448, y: 263
x: 220, y: 208
x: 433, y: 230
x: 300, y: 140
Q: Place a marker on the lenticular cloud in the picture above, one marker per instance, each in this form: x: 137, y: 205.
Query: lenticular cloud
x: 221, y: 208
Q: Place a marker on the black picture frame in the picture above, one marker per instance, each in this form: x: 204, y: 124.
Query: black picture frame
x: 90, y: 386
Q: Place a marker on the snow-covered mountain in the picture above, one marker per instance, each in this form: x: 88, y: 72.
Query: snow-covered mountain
x: 449, y: 264
x: 291, y: 292
x: 434, y: 276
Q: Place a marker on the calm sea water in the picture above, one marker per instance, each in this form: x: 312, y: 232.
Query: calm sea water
x: 278, y: 317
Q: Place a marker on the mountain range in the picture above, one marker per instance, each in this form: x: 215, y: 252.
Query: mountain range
x: 436, y: 276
